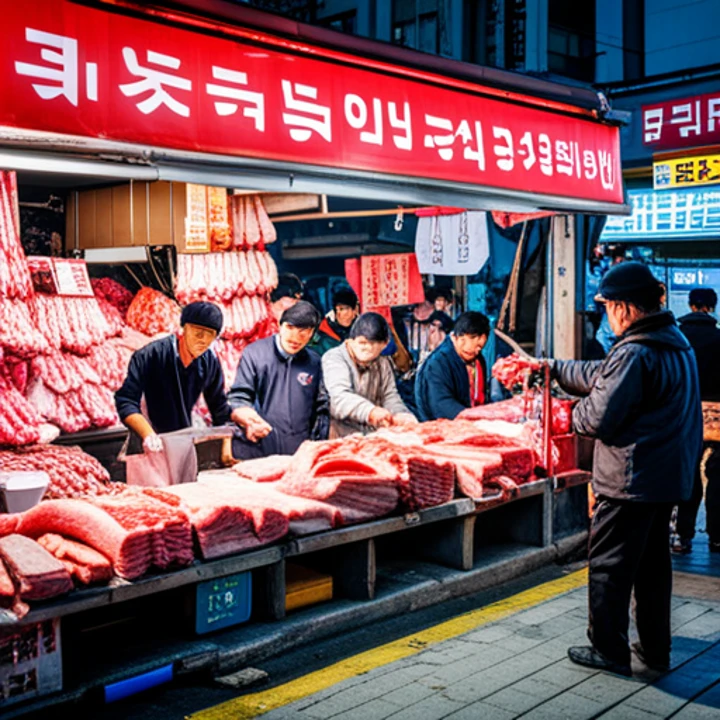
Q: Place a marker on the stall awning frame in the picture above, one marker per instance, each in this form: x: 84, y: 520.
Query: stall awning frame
x: 110, y: 161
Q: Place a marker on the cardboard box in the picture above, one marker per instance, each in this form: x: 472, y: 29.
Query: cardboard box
x: 30, y: 662
x: 137, y: 214
x: 304, y: 586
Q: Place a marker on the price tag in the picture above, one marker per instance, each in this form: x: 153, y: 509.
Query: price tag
x: 42, y: 272
x: 222, y: 602
x: 72, y: 278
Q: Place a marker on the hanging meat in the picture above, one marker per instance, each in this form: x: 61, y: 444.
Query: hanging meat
x: 151, y: 312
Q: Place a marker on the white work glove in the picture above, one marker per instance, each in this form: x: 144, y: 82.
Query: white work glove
x: 153, y: 444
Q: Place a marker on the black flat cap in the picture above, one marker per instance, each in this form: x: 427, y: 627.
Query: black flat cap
x: 627, y: 281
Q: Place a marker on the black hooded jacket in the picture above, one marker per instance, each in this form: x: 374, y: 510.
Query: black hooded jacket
x: 704, y: 335
x: 642, y: 406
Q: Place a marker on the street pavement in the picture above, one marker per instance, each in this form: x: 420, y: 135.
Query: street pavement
x: 517, y: 667
x: 508, y: 660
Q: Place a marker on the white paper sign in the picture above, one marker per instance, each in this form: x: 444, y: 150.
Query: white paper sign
x: 452, y: 244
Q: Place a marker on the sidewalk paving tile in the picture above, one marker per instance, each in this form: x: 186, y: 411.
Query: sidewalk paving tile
x: 377, y: 709
x: 431, y: 708
x: 481, y: 711
x: 567, y: 705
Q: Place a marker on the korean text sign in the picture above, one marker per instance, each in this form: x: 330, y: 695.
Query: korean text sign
x: 83, y: 71
x: 689, y: 122
x: 687, y: 171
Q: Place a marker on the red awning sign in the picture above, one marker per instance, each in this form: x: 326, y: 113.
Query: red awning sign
x: 71, y: 69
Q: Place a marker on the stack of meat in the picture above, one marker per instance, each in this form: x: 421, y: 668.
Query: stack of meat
x: 73, y: 473
x: 238, y: 281
x: 29, y: 572
x: 132, y: 529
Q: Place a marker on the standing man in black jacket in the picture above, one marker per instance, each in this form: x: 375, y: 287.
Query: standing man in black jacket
x: 642, y: 406
x: 701, y: 329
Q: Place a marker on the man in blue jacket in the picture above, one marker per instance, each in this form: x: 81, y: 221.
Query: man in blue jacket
x: 278, y: 396
x: 641, y: 404
x: 170, y: 374
x: 454, y: 376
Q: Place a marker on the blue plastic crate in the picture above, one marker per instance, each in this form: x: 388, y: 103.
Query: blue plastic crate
x: 223, y: 602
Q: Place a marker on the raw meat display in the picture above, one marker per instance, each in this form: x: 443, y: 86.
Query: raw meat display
x: 514, y: 370
x: 361, y: 488
x: 112, y: 315
x: 223, y: 522
x: 71, y: 323
x: 18, y: 332
x: 166, y: 528
x: 113, y: 293
x: 265, y: 469
x: 19, y: 422
x: 73, y: 473
x: 36, y: 573
x: 517, y: 409
x: 224, y: 276
x: 15, y: 279
x: 87, y: 566
x: 151, y: 312
x: 304, y: 515
x: 133, y: 534
x: 251, y: 225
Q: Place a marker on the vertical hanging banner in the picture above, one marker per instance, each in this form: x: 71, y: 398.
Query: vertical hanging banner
x: 452, y: 244
x: 101, y: 73
x: 385, y: 281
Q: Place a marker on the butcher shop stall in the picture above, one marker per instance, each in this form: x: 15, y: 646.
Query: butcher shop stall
x: 153, y: 156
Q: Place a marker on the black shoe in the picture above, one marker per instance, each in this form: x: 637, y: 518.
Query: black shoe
x: 714, y: 546
x: 650, y: 663
x: 680, y: 546
x: 590, y: 657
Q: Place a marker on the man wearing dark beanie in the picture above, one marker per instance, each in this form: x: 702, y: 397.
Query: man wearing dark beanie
x: 278, y: 397
x: 170, y: 374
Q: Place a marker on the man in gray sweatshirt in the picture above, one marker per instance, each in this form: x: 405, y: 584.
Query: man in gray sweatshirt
x: 361, y: 382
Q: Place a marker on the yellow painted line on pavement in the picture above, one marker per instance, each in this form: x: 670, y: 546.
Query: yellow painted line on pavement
x: 250, y: 706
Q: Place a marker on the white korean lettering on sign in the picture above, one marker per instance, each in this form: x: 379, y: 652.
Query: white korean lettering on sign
x: 305, y: 126
x: 402, y: 142
x: 545, y: 154
x: 255, y: 101
x: 652, y: 125
x: 61, y: 70
x: 567, y: 156
x: 607, y: 171
x: 155, y: 81
x: 713, y: 114
x: 356, y: 113
x: 590, y: 164
x: 445, y: 142
x: 687, y: 115
x: 527, y: 150
x: 505, y: 153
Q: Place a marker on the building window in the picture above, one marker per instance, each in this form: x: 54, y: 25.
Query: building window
x: 416, y: 25
x: 571, y: 39
x: 343, y: 22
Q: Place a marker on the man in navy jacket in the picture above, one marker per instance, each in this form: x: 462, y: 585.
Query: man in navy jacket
x: 278, y: 396
x: 454, y: 377
x: 701, y: 329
